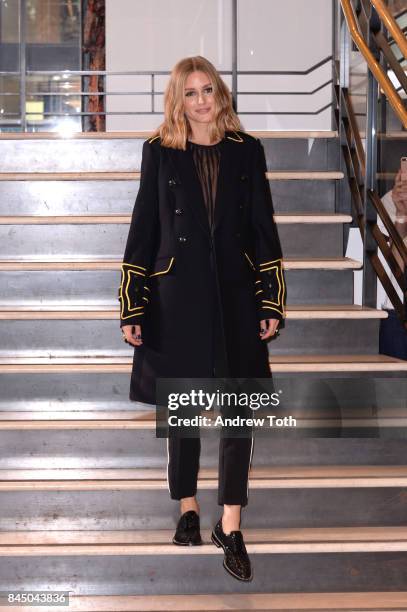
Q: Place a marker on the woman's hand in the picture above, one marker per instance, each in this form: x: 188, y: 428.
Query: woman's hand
x: 130, y: 337
x: 268, y: 327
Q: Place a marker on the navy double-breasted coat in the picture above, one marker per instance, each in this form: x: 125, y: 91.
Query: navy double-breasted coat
x: 199, y: 294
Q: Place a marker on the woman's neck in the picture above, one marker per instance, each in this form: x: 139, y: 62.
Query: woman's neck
x: 200, y: 137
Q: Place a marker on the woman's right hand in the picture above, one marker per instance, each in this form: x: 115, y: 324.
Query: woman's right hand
x: 133, y: 338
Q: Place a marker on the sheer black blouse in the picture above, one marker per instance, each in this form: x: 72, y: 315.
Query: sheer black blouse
x: 206, y: 159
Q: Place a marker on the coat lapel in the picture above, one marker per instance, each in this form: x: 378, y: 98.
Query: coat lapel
x: 188, y: 179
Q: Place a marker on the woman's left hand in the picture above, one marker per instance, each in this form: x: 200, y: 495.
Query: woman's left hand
x: 268, y: 327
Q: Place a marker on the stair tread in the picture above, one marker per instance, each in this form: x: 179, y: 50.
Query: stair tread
x: 148, y: 479
x: 135, y: 175
x: 60, y: 262
x: 159, y: 542
x: 276, y: 471
x: 280, y: 363
x: 109, y: 311
x: 293, y: 217
x: 376, y: 601
x: 143, y: 134
x: 81, y: 418
x: 157, y: 536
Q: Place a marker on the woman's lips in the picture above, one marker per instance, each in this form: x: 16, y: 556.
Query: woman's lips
x: 203, y: 110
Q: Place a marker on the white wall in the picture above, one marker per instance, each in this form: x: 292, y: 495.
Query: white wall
x: 272, y: 35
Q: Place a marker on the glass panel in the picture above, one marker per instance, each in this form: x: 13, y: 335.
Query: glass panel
x: 9, y: 35
x: 53, y: 21
x: 47, y: 99
x: 53, y: 34
x: 9, y: 101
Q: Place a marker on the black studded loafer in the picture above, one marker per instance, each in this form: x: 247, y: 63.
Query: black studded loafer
x: 236, y: 560
x: 188, y: 531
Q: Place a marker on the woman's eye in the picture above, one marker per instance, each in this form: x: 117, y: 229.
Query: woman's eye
x: 209, y: 89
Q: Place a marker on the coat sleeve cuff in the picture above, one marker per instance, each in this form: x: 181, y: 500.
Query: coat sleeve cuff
x: 132, y: 294
x: 270, y: 290
x: 269, y: 314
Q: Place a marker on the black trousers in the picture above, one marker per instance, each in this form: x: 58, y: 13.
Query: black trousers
x: 235, y: 453
x: 235, y: 456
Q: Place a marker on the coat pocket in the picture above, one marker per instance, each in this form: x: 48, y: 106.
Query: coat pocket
x: 161, y: 266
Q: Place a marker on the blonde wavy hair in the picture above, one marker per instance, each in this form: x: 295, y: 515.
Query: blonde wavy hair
x: 175, y: 129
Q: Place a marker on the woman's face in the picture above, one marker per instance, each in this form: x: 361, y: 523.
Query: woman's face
x: 198, y: 97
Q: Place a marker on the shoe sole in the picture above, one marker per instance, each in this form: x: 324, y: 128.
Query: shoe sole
x: 220, y: 545
x: 186, y: 543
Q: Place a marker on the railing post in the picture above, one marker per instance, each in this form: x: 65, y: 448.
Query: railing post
x: 343, y: 202
x: 234, y: 54
x: 369, y: 278
x: 22, y: 63
x: 344, y: 53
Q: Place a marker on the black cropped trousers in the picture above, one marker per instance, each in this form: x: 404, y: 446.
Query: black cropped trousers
x: 235, y: 453
x: 235, y: 456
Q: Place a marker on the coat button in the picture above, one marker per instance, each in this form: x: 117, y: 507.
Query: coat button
x: 178, y: 211
x: 238, y: 235
x: 243, y: 177
x: 172, y: 182
x: 182, y: 239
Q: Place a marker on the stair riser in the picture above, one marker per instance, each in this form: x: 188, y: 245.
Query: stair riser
x: 70, y: 337
x: 109, y: 449
x: 154, y: 509
x: 193, y: 574
x: 124, y: 155
x: 100, y: 287
x: 305, y: 154
x: 102, y: 391
x: 108, y: 240
x: 106, y: 197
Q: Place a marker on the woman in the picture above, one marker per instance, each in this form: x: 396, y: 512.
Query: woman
x: 202, y: 286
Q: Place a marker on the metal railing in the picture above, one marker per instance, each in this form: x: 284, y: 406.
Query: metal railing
x: 152, y: 92
x: 361, y: 162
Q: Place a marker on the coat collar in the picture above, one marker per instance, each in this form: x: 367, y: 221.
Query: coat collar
x: 187, y: 178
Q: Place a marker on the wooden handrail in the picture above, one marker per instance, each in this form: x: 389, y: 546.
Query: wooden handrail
x: 373, y: 64
x: 391, y: 25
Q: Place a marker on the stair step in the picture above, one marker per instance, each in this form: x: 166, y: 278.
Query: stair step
x: 91, y: 239
x: 96, y: 263
x: 105, y: 197
x: 62, y: 287
x: 114, y: 218
x: 143, y: 135
x: 81, y: 419
x: 99, y: 311
x: 141, y: 479
x: 159, y: 542
x: 377, y: 601
x: 278, y: 364
x: 321, y: 175
x: 143, y: 420
x: 336, y: 363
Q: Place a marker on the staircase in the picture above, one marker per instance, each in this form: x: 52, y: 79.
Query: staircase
x: 84, y: 504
